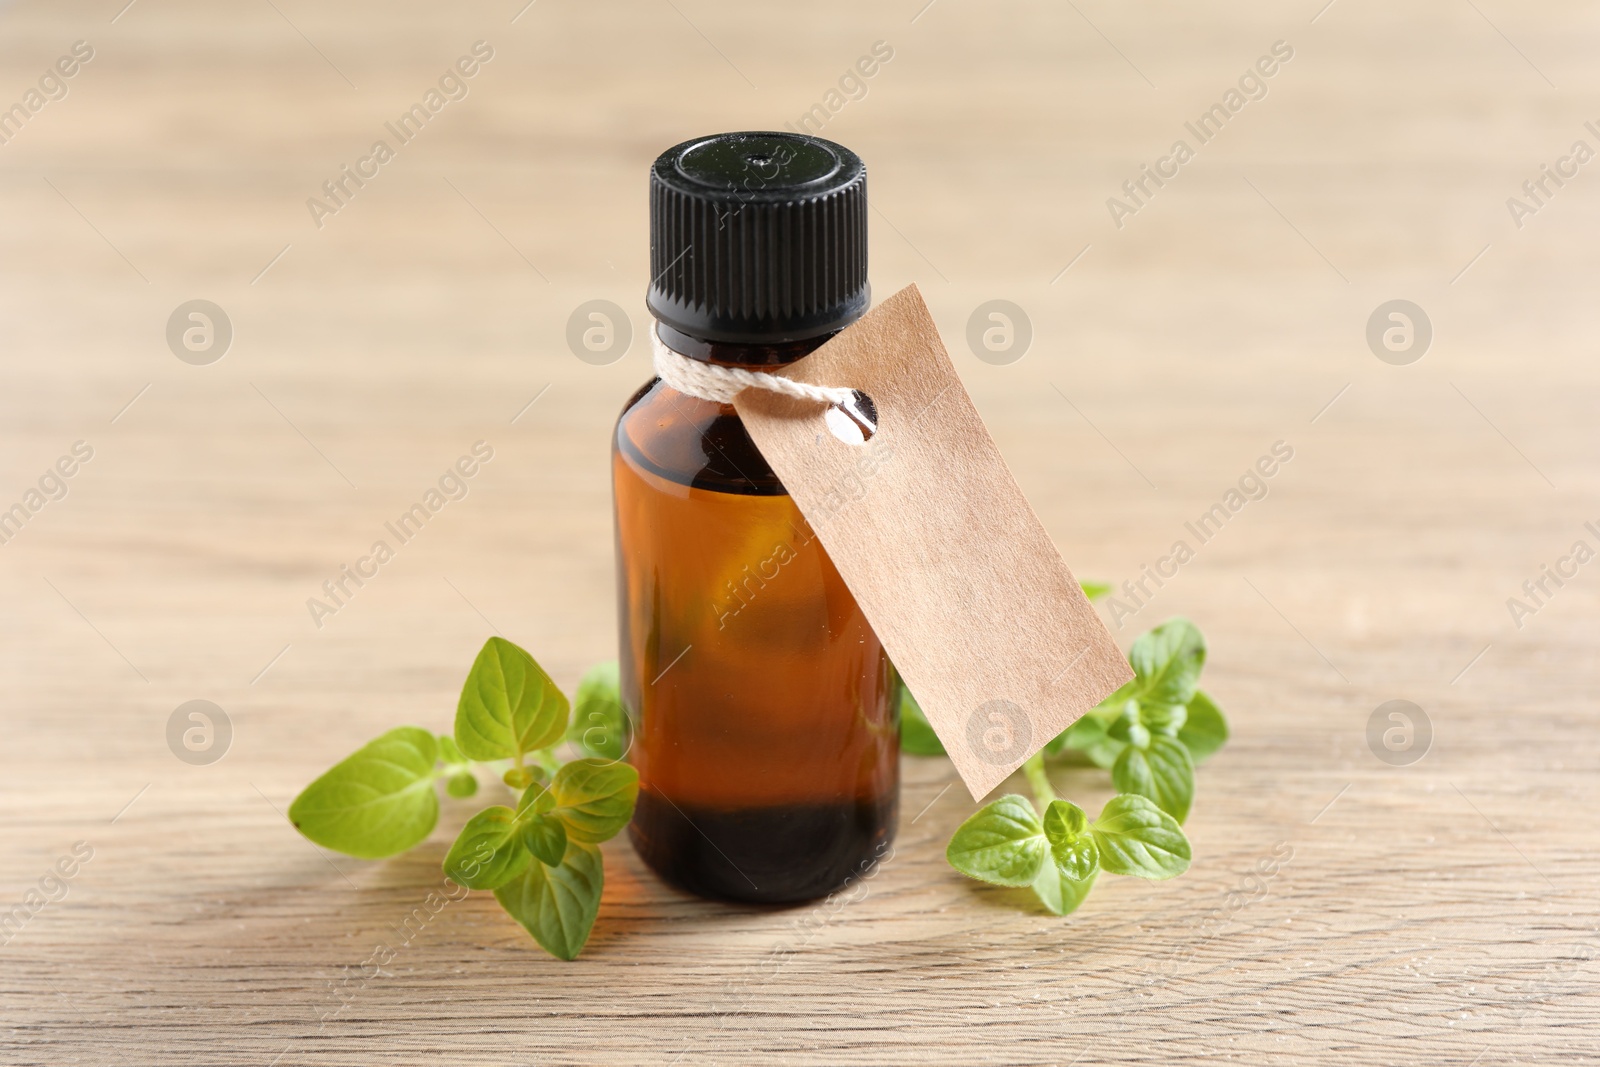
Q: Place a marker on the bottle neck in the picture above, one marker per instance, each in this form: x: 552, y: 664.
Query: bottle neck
x: 728, y: 354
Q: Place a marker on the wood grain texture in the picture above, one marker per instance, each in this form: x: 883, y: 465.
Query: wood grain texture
x: 1443, y: 912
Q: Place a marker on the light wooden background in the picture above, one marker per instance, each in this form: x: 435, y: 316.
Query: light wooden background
x: 1443, y: 912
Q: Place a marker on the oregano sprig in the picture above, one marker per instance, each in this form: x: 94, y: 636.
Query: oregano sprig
x: 1149, y: 734
x: 538, y: 853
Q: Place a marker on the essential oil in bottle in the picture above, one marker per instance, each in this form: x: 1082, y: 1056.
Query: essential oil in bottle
x: 764, y: 709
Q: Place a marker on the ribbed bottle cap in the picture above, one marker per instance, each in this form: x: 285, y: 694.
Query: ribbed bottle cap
x: 758, y: 237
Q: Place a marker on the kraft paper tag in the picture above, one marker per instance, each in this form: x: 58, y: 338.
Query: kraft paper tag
x: 973, y: 603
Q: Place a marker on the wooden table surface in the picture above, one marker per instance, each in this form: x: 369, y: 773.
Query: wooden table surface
x: 1442, y: 911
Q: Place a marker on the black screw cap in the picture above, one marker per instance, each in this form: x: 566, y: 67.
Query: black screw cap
x: 758, y: 237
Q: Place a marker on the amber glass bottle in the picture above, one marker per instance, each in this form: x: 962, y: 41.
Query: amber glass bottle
x: 764, y: 710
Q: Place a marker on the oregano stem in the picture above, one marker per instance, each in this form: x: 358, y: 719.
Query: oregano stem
x: 1043, y: 792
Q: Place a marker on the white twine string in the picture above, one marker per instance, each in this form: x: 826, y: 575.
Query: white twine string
x: 709, y: 381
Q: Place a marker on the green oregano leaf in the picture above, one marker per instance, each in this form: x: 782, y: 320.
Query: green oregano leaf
x: 1162, y: 771
x: 1095, y: 590
x: 546, y: 837
x: 599, y: 720
x: 1135, y: 837
x: 1167, y: 662
x: 461, y: 785
x: 1061, y: 894
x: 448, y: 752
x: 375, y: 802
x: 916, y: 734
x: 1072, y: 847
x: 509, y: 707
x: 594, y: 798
x: 519, y: 777
x: 1204, y: 730
x: 557, y: 905
x: 1088, y: 735
x: 538, y: 798
x: 1002, y: 843
x: 489, y: 851
x: 1164, y: 719
x: 1069, y: 870
x: 1126, y: 729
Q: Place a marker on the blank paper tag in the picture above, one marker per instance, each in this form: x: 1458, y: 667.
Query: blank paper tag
x: 929, y: 530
